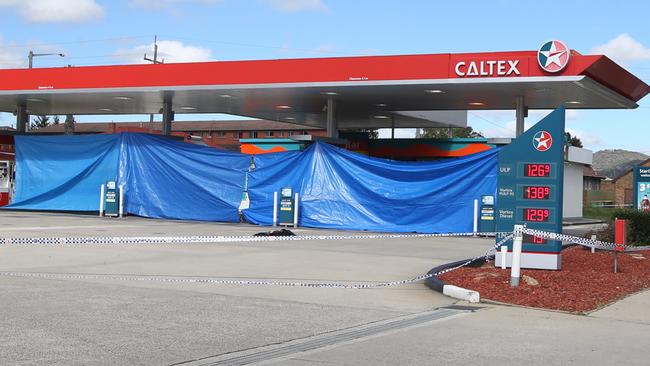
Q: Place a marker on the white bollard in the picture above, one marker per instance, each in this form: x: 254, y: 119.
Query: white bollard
x: 504, y: 256
x: 593, y: 249
x: 295, y: 211
x: 101, y: 201
x: 475, y: 217
x: 515, y: 272
x: 121, y: 208
x: 275, y: 208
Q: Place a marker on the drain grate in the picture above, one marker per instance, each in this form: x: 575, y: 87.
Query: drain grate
x: 329, y: 339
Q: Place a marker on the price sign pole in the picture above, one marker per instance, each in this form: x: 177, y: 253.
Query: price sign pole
x: 529, y: 191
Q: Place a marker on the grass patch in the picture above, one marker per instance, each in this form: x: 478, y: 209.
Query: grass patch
x: 601, y: 213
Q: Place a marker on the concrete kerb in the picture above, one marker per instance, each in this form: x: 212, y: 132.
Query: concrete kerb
x: 456, y: 292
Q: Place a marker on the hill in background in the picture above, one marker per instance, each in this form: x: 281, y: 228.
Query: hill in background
x: 612, y: 163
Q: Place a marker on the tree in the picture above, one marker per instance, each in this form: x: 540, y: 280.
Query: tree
x: 68, y: 128
x: 443, y: 133
x: 40, y: 121
x: 372, y: 134
x: 572, y: 140
x: 56, y: 120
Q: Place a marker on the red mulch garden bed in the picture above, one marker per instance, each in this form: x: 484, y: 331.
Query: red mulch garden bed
x: 586, y: 282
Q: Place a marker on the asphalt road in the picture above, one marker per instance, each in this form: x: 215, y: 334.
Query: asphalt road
x: 116, y: 320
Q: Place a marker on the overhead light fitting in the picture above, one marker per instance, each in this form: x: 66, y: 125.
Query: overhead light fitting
x: 476, y: 104
x: 289, y: 118
x: 105, y: 109
x: 573, y: 102
x: 381, y: 105
x: 122, y: 98
x: 225, y: 96
x: 283, y: 106
x: 34, y: 100
x: 381, y: 116
x: 434, y: 91
x: 188, y: 108
x: 330, y: 93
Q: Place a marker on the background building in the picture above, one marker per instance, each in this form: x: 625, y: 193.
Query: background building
x: 621, y: 189
x: 225, y: 134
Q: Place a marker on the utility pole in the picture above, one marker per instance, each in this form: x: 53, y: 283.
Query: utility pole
x: 30, y: 58
x: 155, y: 53
x: 154, y: 61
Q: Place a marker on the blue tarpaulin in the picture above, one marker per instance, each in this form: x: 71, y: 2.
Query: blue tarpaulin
x: 63, y: 172
x: 165, y: 178
x: 171, y: 179
x: 345, y: 190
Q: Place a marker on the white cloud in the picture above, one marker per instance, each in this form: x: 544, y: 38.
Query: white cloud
x: 623, y: 49
x: 48, y: 11
x: 165, y: 4
x: 170, y: 51
x: 293, y: 6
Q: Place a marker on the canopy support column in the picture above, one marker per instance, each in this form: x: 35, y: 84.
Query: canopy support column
x: 22, y: 118
x: 332, y: 125
x: 521, y: 112
x: 167, y: 116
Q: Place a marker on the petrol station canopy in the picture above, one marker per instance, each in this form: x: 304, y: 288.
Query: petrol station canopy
x: 430, y: 90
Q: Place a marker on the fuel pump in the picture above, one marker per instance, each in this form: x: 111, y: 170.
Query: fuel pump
x: 286, y: 206
x: 6, y: 181
x: 486, y: 223
x: 111, y: 203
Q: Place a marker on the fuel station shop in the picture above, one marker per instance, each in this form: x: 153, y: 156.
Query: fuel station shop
x: 156, y: 176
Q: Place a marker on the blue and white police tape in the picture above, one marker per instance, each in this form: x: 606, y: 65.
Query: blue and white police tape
x: 120, y: 240
x: 222, y: 281
x: 597, y: 244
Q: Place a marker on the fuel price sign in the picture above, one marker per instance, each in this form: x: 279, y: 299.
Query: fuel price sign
x: 531, y: 171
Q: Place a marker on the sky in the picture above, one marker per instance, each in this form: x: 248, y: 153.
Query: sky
x: 99, y: 32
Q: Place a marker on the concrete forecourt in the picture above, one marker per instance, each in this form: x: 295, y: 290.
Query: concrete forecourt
x: 123, y: 308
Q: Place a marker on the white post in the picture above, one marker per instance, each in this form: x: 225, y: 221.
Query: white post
x: 121, y: 208
x: 475, y: 216
x: 515, y: 272
x: 275, y: 208
x: 504, y: 256
x: 593, y: 249
x: 101, y: 201
x: 295, y: 211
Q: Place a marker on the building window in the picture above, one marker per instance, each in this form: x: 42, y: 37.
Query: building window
x: 253, y: 134
x: 221, y: 134
x: 303, y: 132
x: 239, y: 134
x: 269, y: 133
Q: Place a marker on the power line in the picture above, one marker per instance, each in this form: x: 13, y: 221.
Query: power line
x: 488, y: 121
x: 73, y: 42
x: 341, y: 52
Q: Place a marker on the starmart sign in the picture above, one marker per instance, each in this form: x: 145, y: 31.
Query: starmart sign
x: 487, y: 68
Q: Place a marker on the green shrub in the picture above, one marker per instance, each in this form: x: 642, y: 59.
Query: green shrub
x: 638, y: 228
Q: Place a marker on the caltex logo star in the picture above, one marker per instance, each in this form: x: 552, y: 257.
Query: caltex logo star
x: 553, y: 56
x: 542, y: 141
